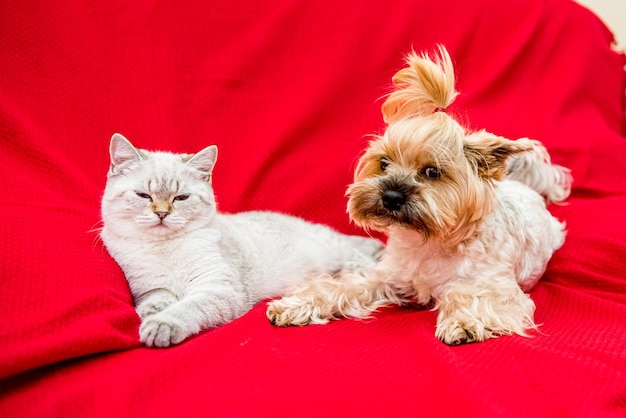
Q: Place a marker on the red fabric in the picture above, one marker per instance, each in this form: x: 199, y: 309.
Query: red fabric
x: 289, y: 91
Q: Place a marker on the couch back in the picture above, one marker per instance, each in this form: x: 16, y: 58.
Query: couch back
x: 289, y: 91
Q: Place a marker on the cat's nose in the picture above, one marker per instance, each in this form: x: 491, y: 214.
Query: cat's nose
x: 161, y: 214
x: 393, y: 199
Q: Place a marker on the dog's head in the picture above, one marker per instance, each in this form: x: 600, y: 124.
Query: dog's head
x: 426, y: 173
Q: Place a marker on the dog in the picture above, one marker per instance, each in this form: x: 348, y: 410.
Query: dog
x: 465, y: 213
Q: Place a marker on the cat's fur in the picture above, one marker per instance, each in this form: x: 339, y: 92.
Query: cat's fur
x: 191, y: 268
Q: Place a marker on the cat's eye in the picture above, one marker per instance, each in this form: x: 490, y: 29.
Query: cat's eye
x: 181, y: 197
x: 144, y: 196
x: 384, y: 163
x: 432, y: 172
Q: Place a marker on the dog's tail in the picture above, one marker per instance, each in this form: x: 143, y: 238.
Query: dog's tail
x: 534, y: 169
x: 425, y: 87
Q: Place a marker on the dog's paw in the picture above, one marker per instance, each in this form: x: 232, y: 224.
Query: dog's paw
x: 460, y: 327
x: 477, y: 314
x: 281, y: 313
x: 456, y: 333
x: 161, y: 331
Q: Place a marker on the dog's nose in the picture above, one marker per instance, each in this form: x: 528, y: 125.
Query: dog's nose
x: 393, y: 199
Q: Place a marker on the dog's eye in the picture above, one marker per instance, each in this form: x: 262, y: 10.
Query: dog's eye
x: 384, y: 163
x: 144, y: 195
x: 181, y: 197
x: 432, y: 172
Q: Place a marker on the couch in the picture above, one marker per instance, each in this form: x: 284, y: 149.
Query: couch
x: 289, y: 91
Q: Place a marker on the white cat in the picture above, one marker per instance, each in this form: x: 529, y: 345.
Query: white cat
x: 191, y: 268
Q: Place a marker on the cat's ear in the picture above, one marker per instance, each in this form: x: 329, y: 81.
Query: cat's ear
x: 123, y: 154
x: 204, y: 161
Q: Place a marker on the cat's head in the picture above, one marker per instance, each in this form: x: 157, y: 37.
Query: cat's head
x: 157, y: 195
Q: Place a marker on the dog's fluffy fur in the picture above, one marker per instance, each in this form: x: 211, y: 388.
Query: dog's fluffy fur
x: 465, y: 213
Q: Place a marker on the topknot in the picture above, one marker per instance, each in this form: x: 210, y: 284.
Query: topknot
x: 426, y: 86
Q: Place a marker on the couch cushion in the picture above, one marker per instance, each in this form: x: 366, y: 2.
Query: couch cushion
x: 289, y: 93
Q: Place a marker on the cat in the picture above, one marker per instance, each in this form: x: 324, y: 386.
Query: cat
x: 190, y: 267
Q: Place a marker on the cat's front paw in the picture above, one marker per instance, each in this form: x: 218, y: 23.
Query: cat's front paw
x: 155, y: 303
x: 161, y: 331
x: 153, y: 307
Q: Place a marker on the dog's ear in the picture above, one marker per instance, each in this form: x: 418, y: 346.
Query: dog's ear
x: 488, y: 153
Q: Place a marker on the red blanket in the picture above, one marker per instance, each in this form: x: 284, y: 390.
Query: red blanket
x: 289, y: 91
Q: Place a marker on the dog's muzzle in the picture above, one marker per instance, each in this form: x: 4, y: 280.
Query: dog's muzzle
x: 393, y: 199
x: 395, y: 192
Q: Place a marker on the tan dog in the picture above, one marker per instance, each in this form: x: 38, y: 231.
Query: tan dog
x: 468, y: 231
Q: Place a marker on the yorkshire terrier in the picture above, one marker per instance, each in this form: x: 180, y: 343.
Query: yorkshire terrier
x: 465, y: 215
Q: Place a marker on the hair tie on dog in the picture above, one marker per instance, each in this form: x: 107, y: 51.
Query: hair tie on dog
x: 439, y: 109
